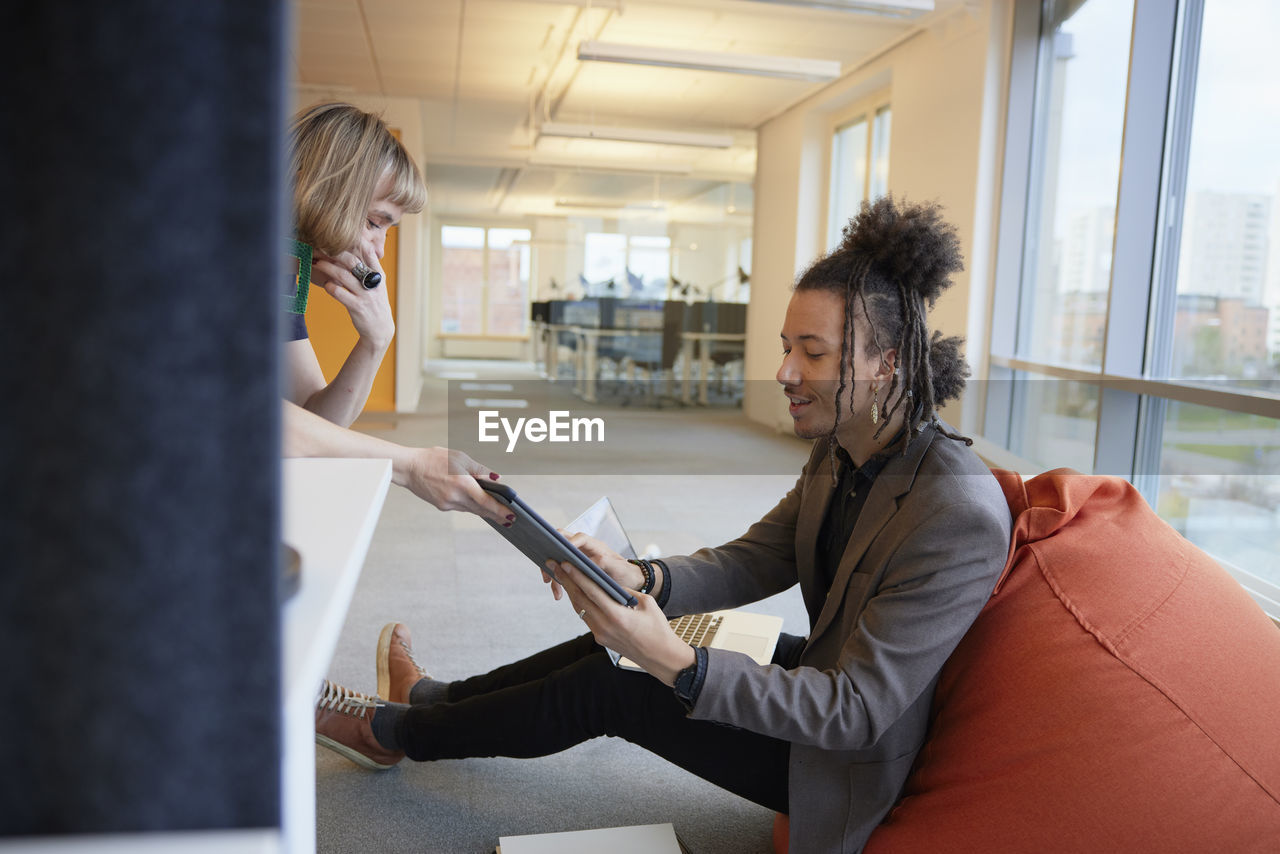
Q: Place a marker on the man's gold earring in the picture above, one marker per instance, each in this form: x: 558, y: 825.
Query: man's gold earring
x: 875, y: 404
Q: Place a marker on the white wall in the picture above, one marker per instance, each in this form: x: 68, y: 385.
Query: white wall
x: 946, y: 91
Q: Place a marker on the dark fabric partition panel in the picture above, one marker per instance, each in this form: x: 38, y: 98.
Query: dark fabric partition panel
x: 140, y: 167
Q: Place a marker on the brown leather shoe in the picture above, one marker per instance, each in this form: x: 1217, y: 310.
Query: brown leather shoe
x: 398, y: 670
x: 344, y: 723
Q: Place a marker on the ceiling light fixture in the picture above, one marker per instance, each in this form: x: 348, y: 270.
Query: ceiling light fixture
x: 579, y: 165
x: 886, y: 8
x: 628, y: 206
x: 611, y: 5
x: 655, y: 136
x: 788, y: 67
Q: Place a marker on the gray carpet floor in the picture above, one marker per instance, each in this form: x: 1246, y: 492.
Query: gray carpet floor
x: 474, y: 603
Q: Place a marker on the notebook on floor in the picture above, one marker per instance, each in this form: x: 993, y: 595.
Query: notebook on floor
x: 641, y: 839
x: 741, y: 631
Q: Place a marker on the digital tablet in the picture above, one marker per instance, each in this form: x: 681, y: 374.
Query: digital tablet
x: 539, y: 541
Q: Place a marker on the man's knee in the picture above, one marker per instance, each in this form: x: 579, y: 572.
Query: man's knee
x: 612, y: 701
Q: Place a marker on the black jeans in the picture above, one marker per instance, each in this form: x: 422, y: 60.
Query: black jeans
x: 570, y: 693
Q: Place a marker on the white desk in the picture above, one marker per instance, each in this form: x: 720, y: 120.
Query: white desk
x: 553, y: 331
x: 703, y: 340
x: 588, y: 345
x: 331, y: 508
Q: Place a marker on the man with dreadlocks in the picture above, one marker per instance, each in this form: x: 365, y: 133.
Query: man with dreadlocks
x: 895, y: 532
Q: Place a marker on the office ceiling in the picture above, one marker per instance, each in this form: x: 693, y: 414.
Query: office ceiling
x: 490, y: 73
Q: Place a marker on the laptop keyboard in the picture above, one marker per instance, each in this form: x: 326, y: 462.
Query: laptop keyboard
x: 696, y: 629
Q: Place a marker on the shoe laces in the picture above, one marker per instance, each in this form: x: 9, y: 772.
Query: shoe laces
x: 422, y: 671
x: 345, y: 701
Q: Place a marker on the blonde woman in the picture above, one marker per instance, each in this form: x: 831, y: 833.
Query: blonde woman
x: 352, y: 181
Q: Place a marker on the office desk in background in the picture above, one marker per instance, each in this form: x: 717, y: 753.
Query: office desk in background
x: 704, y: 340
x: 695, y: 348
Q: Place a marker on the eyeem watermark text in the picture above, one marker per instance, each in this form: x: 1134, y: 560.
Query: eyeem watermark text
x: 557, y: 427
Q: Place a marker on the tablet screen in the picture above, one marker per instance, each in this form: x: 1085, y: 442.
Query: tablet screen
x: 601, y: 521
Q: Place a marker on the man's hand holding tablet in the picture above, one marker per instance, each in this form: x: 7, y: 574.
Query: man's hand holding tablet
x: 539, y: 541
x: 640, y: 631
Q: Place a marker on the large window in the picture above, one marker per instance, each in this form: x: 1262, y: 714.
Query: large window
x: 649, y: 265
x: 1083, y: 69
x: 1136, y: 328
x: 1226, y: 323
x: 625, y: 265
x: 485, y: 280
x: 859, y: 167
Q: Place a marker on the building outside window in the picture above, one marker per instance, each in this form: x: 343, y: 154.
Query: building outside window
x: 485, y: 281
x: 1137, y: 329
x: 508, y: 281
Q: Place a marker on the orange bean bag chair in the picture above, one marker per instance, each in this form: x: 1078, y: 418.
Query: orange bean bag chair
x: 1119, y: 692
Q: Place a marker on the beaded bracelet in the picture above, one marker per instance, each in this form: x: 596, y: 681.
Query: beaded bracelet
x: 650, y: 580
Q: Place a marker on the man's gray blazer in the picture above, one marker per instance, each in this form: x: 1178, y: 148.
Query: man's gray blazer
x: 924, y: 556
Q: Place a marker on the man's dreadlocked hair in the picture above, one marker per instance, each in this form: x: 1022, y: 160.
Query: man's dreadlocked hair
x: 892, y: 262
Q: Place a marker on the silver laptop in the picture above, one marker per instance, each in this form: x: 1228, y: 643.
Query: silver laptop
x: 741, y: 631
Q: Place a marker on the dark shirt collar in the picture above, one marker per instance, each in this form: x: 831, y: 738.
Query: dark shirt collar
x: 868, y: 470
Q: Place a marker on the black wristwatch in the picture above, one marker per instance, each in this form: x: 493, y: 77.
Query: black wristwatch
x: 686, y: 682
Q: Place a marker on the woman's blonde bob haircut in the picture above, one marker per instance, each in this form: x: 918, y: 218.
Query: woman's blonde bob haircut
x: 338, y: 154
